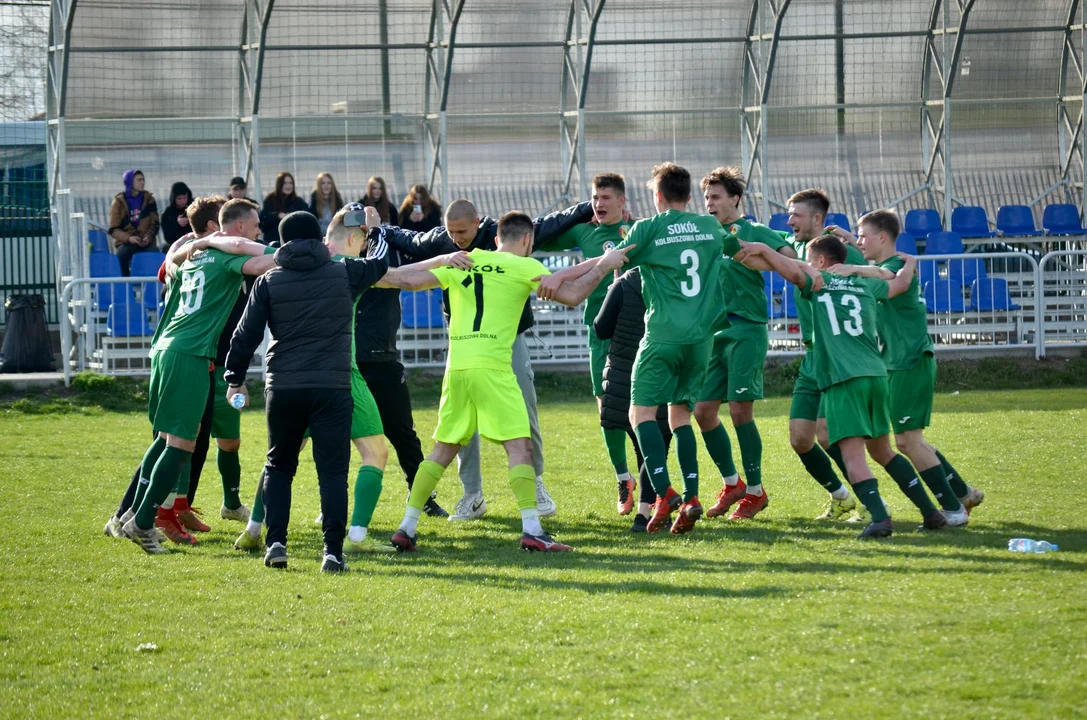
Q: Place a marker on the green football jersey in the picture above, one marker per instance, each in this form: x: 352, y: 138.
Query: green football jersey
x: 594, y: 241
x: 903, y: 323
x: 208, y: 285
x: 844, y: 319
x: 742, y: 290
x: 485, y: 305
x: 803, y: 305
x: 680, y: 256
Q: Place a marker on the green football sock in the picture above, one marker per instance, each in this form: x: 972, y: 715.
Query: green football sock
x: 720, y: 449
x: 747, y: 435
x: 835, y: 454
x: 367, y: 491
x: 230, y: 469
x: 687, y: 452
x: 523, y: 482
x: 902, y: 473
x: 163, y: 482
x: 936, y: 480
x: 616, y: 440
x: 867, y: 491
x: 818, y: 466
x: 150, y: 457
x: 184, y: 478
x: 257, y: 513
x: 426, y: 479
x: 958, y: 485
x: 651, y: 442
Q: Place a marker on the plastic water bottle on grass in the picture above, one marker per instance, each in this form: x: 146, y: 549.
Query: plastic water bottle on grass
x: 1026, y: 545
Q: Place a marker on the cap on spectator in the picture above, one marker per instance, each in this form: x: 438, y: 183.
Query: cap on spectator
x: 237, y: 182
x: 299, y: 226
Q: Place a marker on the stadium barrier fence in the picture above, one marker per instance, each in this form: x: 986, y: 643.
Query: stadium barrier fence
x: 1062, y: 305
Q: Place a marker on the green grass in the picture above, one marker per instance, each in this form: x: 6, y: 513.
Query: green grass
x: 778, y: 617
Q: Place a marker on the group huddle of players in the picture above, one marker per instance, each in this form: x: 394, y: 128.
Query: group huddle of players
x: 868, y: 369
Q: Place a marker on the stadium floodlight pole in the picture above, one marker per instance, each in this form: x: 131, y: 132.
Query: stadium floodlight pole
x: 61, y: 16
x: 251, y: 64
x: 1069, y: 138
x: 438, y: 160
x: 575, y: 158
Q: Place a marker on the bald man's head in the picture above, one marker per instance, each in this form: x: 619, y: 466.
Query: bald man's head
x: 461, y: 222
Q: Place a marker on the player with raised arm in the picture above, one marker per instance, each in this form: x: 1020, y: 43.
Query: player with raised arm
x: 911, y: 364
x: 740, y: 344
x: 610, y: 229
x: 845, y: 359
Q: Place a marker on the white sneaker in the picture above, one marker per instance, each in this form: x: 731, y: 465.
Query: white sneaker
x: 469, y: 507
x: 113, y: 528
x: 544, y: 504
x: 239, y: 514
x: 959, y: 518
x: 320, y: 519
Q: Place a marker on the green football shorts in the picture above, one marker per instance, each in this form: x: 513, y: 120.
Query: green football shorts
x: 178, y: 392
x: 857, y: 408
x: 666, y: 373
x: 911, y: 394
x: 598, y: 355
x: 806, y: 392
x: 226, y: 422
x: 736, y: 363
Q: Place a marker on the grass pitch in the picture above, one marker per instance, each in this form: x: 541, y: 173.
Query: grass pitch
x: 777, y: 617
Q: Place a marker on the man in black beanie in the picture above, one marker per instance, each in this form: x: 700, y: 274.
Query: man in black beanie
x: 307, y: 302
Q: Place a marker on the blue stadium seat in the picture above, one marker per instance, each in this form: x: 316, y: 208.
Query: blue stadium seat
x: 920, y: 223
x: 773, y: 282
x: 971, y: 221
x: 146, y: 264
x: 906, y: 243
x: 943, y: 296
x: 1061, y: 219
x: 126, y: 317
x: 964, y: 272
x: 780, y: 221
x: 943, y: 243
x: 990, y: 294
x: 752, y: 218
x: 839, y: 219
x: 99, y: 241
x: 1016, y: 221
x: 786, y: 308
x: 422, y: 309
x: 928, y: 270
x: 104, y: 265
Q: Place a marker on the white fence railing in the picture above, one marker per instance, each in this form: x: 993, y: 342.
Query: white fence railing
x: 978, y: 302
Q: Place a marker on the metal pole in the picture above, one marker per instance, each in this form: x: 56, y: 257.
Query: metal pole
x: 383, y: 38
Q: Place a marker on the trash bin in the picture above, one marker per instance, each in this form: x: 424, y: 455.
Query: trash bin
x: 26, y: 338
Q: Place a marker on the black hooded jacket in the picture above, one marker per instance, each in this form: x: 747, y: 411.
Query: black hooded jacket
x: 307, y: 302
x: 171, y: 231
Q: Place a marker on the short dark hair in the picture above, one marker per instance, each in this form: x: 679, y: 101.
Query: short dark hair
x: 237, y: 181
x: 514, y: 225
x: 204, y: 210
x: 830, y: 247
x: 729, y: 178
x: 672, y: 181
x: 235, y: 209
x: 882, y: 221
x: 610, y: 180
x: 815, y: 198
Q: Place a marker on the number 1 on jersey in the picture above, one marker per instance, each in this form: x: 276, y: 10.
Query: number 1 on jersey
x: 477, y: 281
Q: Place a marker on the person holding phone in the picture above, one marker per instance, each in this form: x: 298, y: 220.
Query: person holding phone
x: 419, y: 212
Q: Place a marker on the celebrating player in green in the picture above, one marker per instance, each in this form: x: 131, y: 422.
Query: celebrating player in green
x: 740, y: 344
x: 208, y: 284
x: 609, y: 202
x: 845, y: 359
x: 911, y: 364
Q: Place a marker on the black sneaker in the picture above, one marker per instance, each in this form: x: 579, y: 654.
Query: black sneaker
x: 640, y: 521
x: 276, y: 557
x: 403, y: 542
x: 333, y: 564
x: 933, y: 521
x: 881, y: 529
x: 433, y: 509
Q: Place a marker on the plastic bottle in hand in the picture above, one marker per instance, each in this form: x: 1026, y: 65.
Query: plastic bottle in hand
x: 1026, y: 545
x: 237, y: 401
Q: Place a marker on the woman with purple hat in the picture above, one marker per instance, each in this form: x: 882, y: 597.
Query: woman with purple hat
x: 133, y: 220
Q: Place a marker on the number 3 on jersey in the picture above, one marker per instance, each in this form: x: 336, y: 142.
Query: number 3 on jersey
x: 854, y: 326
x: 192, y: 292
x: 689, y: 260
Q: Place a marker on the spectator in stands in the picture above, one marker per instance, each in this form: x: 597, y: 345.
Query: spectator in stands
x: 278, y: 204
x: 325, y: 200
x: 133, y: 220
x: 238, y: 188
x: 376, y: 196
x: 175, y: 222
x: 419, y: 211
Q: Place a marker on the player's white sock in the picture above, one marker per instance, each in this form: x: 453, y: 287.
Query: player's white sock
x: 756, y: 491
x: 841, y: 493
x: 169, y: 501
x: 623, y: 476
x: 732, y: 480
x: 530, y: 521
x: 645, y: 509
x: 253, y: 528
x: 411, y: 520
x: 356, y: 533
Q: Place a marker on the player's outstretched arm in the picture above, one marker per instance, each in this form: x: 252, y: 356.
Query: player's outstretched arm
x: 550, y: 284
x: 573, y: 293
x: 416, y: 273
x: 761, y: 257
x: 842, y: 234
x: 865, y: 271
x: 549, y: 227
x: 904, y: 277
x: 248, y: 335
x: 257, y: 266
